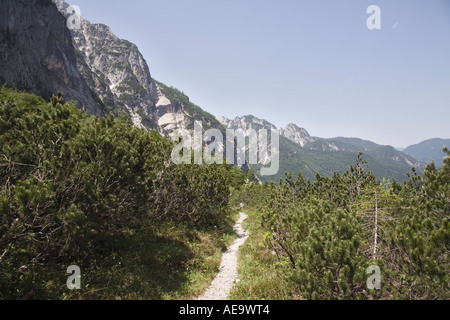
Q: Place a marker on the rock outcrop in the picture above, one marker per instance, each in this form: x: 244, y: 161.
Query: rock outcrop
x: 297, y: 134
x: 37, y: 55
x: 118, y: 73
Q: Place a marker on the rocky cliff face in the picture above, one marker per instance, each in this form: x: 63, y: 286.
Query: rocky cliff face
x: 37, y: 55
x: 116, y: 70
x: 89, y: 64
x: 292, y: 132
x: 246, y: 123
x: 297, y: 134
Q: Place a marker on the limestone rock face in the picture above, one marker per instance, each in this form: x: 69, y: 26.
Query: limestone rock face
x: 116, y: 70
x: 297, y: 134
x: 246, y: 123
x: 37, y: 55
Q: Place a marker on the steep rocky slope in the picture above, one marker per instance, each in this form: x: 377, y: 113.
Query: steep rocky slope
x: 105, y: 74
x: 37, y: 55
x: 116, y: 70
x: 297, y: 134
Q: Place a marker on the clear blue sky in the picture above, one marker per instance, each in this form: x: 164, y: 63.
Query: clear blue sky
x: 311, y: 62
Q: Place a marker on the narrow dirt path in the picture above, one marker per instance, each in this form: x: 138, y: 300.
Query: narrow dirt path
x: 223, y: 283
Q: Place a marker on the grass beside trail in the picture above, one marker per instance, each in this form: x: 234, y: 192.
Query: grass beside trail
x: 165, y: 262
x: 259, y: 270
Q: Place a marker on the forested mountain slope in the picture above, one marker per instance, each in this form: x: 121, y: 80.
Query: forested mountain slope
x: 429, y: 150
x: 310, y: 155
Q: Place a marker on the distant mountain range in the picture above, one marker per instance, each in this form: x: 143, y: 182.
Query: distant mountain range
x: 300, y: 151
x: 429, y: 150
x: 105, y: 74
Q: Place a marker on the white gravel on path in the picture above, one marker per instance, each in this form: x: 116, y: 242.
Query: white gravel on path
x: 228, y: 275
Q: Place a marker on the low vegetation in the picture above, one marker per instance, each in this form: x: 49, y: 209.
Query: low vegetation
x: 100, y: 194
x: 316, y: 240
x: 105, y: 196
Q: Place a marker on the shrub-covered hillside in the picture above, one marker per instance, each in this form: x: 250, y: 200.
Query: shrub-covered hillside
x: 321, y: 239
x: 100, y: 194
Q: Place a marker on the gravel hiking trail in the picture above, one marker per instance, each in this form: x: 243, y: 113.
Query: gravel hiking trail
x: 228, y: 274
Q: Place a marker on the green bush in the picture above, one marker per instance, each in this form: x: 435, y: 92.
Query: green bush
x: 326, y: 233
x: 72, y: 185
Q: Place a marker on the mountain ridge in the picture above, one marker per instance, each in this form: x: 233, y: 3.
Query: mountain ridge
x: 429, y: 150
x: 301, y: 152
x: 119, y: 75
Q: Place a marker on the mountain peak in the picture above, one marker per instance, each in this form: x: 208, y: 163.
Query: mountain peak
x: 297, y: 134
x: 223, y: 121
x: 245, y: 123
